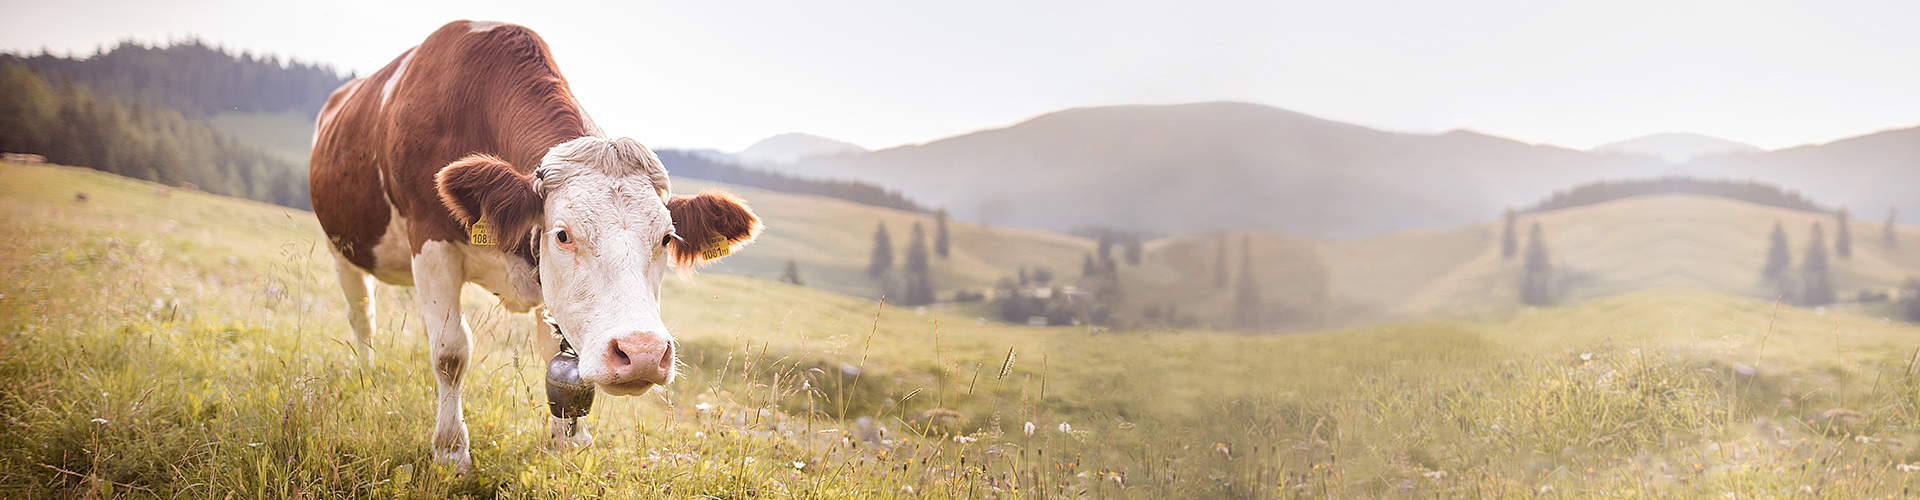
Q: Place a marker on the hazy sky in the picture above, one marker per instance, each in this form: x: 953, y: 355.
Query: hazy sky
x: 726, y: 73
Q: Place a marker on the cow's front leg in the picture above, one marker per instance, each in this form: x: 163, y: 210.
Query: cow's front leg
x: 567, y: 435
x: 437, y: 277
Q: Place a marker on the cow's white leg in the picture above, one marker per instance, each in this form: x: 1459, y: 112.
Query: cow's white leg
x: 437, y: 276
x: 358, y: 286
x: 565, y: 436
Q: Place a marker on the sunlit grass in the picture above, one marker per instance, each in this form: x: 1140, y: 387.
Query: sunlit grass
x: 186, y: 345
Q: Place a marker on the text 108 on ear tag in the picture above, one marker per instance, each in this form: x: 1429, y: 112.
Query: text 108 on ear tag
x: 716, y: 248
x: 478, y: 234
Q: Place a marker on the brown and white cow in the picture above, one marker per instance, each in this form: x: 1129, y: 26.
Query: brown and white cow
x: 476, y: 125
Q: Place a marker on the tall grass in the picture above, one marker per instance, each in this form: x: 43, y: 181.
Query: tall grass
x: 189, y: 346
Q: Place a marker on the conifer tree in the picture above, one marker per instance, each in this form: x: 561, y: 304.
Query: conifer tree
x: 1220, y: 264
x: 1509, y: 243
x: 1536, y: 285
x: 1106, y: 245
x: 919, y: 279
x: 1815, y: 275
x: 1779, y: 254
x: 1910, y: 298
x: 1246, y: 296
x: 1842, y: 236
x: 882, y: 260
x: 940, y: 233
x: 1892, y: 231
x: 792, y: 273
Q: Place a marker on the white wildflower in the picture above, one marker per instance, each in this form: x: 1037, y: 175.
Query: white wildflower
x: 1586, y: 356
x: 1066, y: 428
x: 1437, y: 474
x: 964, y: 439
x: 703, y: 406
x: 798, y: 465
x: 1029, y: 429
x: 1906, y: 467
x: 100, y: 421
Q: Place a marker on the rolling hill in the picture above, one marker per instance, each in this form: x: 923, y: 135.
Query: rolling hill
x: 1869, y: 174
x: 174, y: 343
x: 793, y: 146
x: 1642, y: 243
x: 1196, y: 168
x: 1676, y: 147
x: 831, y: 241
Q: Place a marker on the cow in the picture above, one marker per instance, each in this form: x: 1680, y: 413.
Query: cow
x: 468, y: 159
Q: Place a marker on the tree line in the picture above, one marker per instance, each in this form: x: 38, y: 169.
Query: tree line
x: 1605, y: 191
x: 912, y: 284
x: 71, y: 124
x: 1812, y: 283
x: 193, y: 77
x: 141, y: 111
x: 698, y: 166
x: 1537, y: 284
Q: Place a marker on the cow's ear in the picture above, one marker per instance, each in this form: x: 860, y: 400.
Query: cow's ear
x: 710, y: 225
x: 485, y: 188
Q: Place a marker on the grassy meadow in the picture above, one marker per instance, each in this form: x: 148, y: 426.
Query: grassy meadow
x: 163, y: 343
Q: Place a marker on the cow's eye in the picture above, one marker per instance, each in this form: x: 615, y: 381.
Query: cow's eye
x: 666, y: 239
x: 563, y: 237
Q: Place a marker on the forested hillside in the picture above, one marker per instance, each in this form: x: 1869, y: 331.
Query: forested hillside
x: 688, y: 164
x: 1748, y: 191
x: 145, y: 112
x: 71, y: 124
x: 193, y: 77
x: 236, y: 124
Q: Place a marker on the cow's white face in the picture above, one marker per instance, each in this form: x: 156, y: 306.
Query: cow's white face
x: 603, y: 253
x: 605, y: 232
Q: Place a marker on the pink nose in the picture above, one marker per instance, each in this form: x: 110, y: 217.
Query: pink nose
x: 640, y: 357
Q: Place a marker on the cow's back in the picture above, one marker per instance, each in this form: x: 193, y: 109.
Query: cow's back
x: 380, y: 139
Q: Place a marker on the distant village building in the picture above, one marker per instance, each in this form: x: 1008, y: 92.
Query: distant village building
x: 28, y: 158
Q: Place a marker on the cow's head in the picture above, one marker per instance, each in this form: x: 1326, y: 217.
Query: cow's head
x: 605, y: 230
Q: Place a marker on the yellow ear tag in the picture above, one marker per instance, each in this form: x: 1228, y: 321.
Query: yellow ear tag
x: 478, y: 234
x: 716, y: 248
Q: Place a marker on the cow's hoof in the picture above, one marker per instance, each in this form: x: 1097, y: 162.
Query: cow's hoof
x: 569, y: 436
x: 450, y: 448
x: 458, y: 459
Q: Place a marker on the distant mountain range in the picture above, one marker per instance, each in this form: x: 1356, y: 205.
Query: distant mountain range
x: 793, y: 146
x: 1156, y: 169
x: 1201, y: 167
x: 1868, y: 174
x: 1191, y: 168
x: 1677, y: 147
